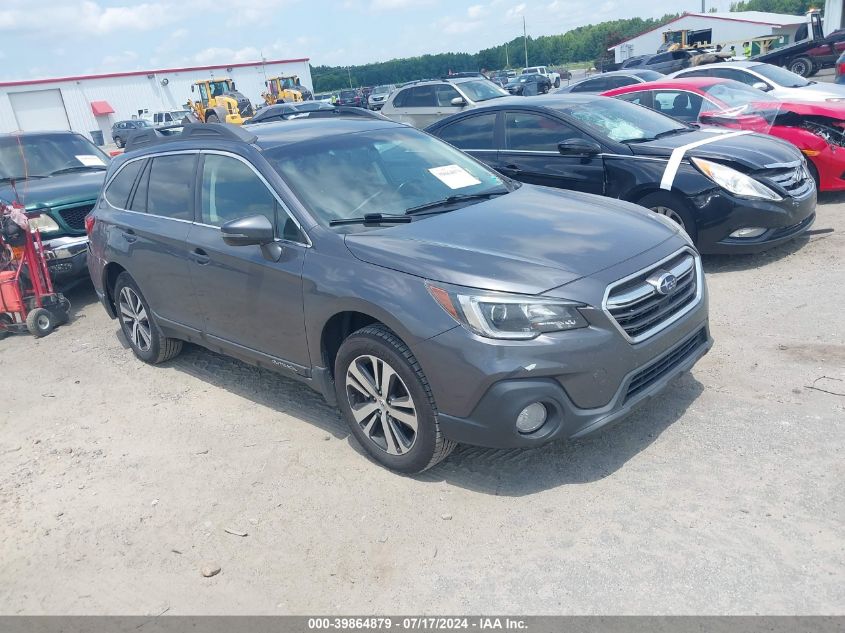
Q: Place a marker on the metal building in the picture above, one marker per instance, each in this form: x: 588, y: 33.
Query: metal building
x: 94, y: 102
x: 723, y: 27
x: 834, y: 16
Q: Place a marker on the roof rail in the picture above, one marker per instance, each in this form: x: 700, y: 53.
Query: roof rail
x: 145, y: 137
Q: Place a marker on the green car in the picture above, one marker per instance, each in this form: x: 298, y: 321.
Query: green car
x: 59, y: 174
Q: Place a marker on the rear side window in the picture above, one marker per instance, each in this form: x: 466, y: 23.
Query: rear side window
x: 591, y: 85
x: 534, y: 132
x: 400, y: 98
x: 474, y: 132
x: 117, y: 193
x: 421, y: 97
x: 171, y: 186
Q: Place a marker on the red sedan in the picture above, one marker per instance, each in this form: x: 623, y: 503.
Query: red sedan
x: 817, y: 129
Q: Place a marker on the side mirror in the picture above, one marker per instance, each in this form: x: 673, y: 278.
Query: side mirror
x: 578, y: 147
x: 761, y: 85
x: 254, y: 229
x: 459, y: 102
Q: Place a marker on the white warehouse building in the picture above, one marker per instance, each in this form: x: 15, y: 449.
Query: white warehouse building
x: 736, y: 27
x: 93, y: 103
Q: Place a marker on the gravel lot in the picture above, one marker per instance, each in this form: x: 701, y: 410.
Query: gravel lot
x: 119, y: 480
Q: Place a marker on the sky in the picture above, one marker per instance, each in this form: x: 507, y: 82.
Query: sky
x: 53, y: 38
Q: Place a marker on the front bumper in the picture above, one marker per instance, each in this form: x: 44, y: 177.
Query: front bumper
x: 587, y: 377
x: 720, y: 214
x: 492, y: 422
x: 67, y: 258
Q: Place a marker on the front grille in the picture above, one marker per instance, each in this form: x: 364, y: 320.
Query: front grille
x: 74, y: 217
x: 654, y: 372
x: 793, y: 178
x: 641, y: 309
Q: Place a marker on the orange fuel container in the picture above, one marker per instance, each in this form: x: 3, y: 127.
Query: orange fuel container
x: 10, y: 293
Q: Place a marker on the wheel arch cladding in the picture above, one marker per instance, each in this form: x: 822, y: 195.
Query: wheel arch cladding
x: 111, y: 272
x: 337, y: 328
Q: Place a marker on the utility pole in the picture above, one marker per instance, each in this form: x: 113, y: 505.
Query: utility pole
x: 525, y: 41
x: 350, y: 76
x: 702, y: 7
x: 507, y: 61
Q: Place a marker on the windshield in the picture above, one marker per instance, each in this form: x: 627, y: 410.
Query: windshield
x: 735, y: 94
x: 622, y: 121
x: 386, y: 171
x: 481, y: 90
x: 44, y: 154
x: 780, y: 76
x: 528, y: 71
x: 379, y: 90
x: 142, y: 123
x: 346, y: 94
x: 219, y: 88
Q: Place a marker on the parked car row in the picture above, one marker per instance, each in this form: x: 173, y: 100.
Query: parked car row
x: 430, y: 282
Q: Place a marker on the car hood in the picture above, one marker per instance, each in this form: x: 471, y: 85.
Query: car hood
x: 56, y: 191
x: 529, y: 241
x: 754, y: 151
x: 813, y: 92
x: 808, y: 108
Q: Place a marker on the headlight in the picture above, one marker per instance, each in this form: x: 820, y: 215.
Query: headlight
x: 44, y: 223
x: 734, y: 181
x: 508, y: 316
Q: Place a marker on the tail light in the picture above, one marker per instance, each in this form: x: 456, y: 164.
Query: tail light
x: 89, y: 224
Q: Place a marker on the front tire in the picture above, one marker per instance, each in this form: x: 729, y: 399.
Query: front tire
x: 801, y: 66
x: 139, y: 328
x: 40, y: 322
x: 673, y: 207
x: 387, y: 402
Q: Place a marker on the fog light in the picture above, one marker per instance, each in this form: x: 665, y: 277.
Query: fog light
x: 531, y: 417
x: 749, y: 231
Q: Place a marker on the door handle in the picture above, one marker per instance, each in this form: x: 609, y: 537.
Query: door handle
x: 129, y: 235
x: 200, y: 256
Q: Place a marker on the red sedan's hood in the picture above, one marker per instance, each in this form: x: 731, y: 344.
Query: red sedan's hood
x: 807, y: 108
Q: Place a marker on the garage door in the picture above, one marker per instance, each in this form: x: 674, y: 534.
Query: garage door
x: 39, y: 110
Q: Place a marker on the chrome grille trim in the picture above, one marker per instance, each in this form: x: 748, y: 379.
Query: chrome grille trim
x: 666, y: 309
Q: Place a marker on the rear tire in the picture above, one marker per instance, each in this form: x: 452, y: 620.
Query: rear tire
x: 557, y: 82
x: 212, y: 117
x: 674, y: 207
x: 138, y: 325
x: 387, y: 401
x: 801, y: 66
x: 40, y: 322
x: 5, y: 319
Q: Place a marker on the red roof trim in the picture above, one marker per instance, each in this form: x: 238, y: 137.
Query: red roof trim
x: 702, y: 15
x: 161, y: 71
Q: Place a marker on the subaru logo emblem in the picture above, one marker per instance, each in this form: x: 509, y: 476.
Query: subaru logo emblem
x: 665, y: 283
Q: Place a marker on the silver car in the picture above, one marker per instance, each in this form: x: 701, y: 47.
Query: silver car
x: 377, y: 97
x: 423, y: 102
x: 778, y: 82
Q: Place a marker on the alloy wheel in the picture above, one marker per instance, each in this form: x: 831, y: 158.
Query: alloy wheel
x: 135, y: 318
x: 671, y: 214
x: 381, y: 404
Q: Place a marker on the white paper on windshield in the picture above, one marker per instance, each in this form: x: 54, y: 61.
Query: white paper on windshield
x: 454, y: 177
x: 89, y: 160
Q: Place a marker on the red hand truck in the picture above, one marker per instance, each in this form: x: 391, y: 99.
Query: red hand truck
x: 27, y: 299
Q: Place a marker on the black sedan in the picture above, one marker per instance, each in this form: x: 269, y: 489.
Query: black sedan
x: 735, y: 192
x: 122, y: 130
x: 529, y: 84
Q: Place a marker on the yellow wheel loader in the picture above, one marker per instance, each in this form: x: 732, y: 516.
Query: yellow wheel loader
x: 285, y: 89
x: 219, y: 102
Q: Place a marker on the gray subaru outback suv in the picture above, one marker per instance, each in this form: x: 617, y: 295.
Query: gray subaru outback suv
x: 432, y: 299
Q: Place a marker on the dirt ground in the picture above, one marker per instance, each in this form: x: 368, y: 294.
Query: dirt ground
x: 119, y: 480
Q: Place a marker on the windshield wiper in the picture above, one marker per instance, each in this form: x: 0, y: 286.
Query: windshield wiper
x: 67, y: 170
x: 372, y: 219
x: 17, y: 178
x: 453, y: 199
x: 663, y: 134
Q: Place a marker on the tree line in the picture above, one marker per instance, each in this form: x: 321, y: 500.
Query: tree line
x: 583, y: 44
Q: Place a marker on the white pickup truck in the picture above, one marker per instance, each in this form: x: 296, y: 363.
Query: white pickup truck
x: 543, y: 70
